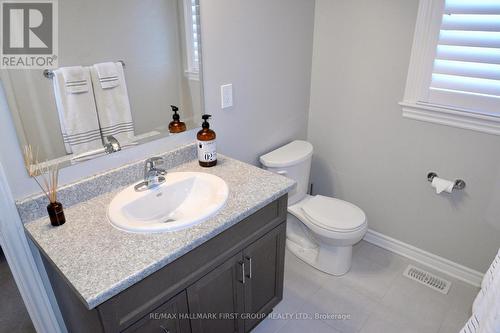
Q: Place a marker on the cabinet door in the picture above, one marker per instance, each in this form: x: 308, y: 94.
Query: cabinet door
x: 264, y: 268
x: 171, y: 317
x: 216, y: 300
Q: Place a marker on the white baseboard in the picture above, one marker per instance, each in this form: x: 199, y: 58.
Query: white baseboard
x: 433, y: 261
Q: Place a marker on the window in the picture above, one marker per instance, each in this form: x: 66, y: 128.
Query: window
x: 193, y: 43
x: 454, y: 74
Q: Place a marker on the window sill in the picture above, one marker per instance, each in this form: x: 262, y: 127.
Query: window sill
x: 454, y: 118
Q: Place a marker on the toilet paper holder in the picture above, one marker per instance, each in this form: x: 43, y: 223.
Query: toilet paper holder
x: 459, y: 183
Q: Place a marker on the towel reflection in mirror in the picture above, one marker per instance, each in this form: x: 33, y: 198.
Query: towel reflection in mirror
x: 92, y: 104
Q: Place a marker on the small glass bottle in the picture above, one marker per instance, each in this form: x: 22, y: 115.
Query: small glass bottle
x: 56, y: 213
x: 207, y: 150
x: 176, y: 126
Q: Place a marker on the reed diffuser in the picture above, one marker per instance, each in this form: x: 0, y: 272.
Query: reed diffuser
x: 49, y: 182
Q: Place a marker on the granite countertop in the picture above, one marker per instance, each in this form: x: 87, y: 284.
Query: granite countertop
x: 99, y: 261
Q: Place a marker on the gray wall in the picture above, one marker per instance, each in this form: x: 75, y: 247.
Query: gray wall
x: 263, y: 48
x: 367, y: 153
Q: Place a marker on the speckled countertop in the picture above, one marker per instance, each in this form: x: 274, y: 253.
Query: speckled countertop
x: 100, y: 261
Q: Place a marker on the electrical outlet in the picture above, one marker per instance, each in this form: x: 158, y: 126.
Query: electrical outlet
x: 226, y: 96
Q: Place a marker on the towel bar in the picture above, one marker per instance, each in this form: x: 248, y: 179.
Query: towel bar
x: 49, y: 74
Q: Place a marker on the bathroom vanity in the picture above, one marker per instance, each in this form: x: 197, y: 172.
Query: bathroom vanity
x: 222, y: 275
x: 239, y: 271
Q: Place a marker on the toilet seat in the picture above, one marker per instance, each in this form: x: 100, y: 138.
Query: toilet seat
x: 334, y: 214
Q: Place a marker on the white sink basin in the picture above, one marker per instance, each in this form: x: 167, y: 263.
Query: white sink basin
x: 183, y: 200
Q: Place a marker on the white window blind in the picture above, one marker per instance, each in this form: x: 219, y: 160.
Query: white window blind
x: 466, y: 71
x: 193, y: 40
x: 195, y: 23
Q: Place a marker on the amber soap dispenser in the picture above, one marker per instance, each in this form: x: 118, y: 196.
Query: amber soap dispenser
x: 176, y: 126
x: 207, y: 151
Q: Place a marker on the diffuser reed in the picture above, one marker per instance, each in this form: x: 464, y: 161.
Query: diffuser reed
x: 49, y: 183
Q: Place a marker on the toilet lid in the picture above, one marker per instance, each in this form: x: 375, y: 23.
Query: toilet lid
x: 290, y: 154
x: 334, y: 214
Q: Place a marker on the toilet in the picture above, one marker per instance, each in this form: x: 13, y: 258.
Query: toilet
x: 320, y: 230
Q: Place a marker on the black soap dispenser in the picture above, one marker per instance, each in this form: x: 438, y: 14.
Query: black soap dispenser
x: 176, y: 126
x: 207, y: 151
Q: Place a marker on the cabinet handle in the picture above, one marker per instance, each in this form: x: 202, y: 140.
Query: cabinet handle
x: 242, y: 264
x: 249, y: 266
x: 164, y: 329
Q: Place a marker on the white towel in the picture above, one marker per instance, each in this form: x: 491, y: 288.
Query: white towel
x: 486, y: 308
x: 491, y: 316
x: 493, y: 270
x: 107, y: 75
x: 75, y: 80
x: 113, y: 105
x: 77, y: 110
x: 488, y: 277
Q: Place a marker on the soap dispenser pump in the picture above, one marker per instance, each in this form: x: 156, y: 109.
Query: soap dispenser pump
x: 207, y: 152
x: 176, y: 126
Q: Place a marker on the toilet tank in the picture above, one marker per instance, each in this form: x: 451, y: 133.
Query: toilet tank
x: 294, y: 161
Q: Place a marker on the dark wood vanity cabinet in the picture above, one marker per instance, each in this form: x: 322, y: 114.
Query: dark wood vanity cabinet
x: 244, y: 289
x: 220, y: 292
x: 171, y: 317
x: 263, y: 288
x: 227, y: 284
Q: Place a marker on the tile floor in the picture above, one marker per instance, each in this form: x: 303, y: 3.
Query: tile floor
x: 13, y: 314
x: 378, y: 298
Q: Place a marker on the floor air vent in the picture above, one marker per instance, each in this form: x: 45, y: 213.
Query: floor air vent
x: 428, y: 279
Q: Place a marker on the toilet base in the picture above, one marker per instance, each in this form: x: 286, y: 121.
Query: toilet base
x: 333, y: 260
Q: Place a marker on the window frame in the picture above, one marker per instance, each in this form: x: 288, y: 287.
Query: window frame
x: 425, y: 41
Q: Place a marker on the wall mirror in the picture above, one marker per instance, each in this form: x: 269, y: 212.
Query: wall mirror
x: 123, y: 65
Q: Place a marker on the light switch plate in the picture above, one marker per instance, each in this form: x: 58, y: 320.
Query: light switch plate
x: 226, y: 96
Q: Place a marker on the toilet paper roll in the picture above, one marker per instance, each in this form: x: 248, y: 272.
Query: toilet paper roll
x: 442, y: 185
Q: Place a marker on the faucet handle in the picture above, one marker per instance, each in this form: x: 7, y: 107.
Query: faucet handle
x: 153, y: 175
x: 153, y: 162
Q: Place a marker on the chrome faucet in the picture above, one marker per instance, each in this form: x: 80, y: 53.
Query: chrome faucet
x: 153, y: 175
x: 112, y: 146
